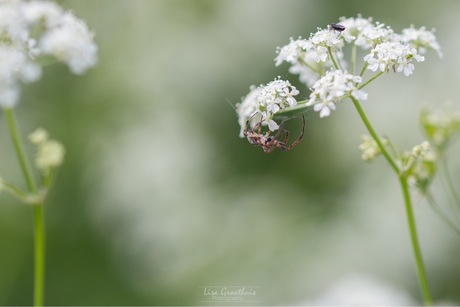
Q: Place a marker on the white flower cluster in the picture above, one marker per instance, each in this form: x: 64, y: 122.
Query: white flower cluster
x: 319, y: 62
x: 331, y: 89
x: 393, y: 55
x: 369, y: 148
x: 309, y: 58
x: 364, y: 33
x: 263, y: 102
x: 50, y: 153
x: 30, y: 29
x: 312, y: 58
x: 440, y: 126
x: 421, y: 39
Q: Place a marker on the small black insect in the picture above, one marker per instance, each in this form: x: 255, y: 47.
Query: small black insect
x: 337, y: 27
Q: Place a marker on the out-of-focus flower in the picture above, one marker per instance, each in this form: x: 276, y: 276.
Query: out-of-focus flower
x: 370, y: 149
x: 440, y: 126
x: 50, y: 153
x: 360, y: 290
x: 31, y: 29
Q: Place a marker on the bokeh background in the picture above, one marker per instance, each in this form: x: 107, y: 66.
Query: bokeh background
x: 158, y: 196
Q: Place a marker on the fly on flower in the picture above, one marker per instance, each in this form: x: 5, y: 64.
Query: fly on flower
x: 337, y: 27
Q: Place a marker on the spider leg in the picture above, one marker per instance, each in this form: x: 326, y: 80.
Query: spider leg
x: 294, y: 144
x: 247, y: 131
x: 286, y: 139
x: 272, y: 141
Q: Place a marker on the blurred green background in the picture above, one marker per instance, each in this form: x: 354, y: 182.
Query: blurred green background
x: 158, y: 196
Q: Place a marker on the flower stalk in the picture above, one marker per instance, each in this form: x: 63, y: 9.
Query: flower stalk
x: 319, y: 62
x: 39, y: 221
x: 403, y: 181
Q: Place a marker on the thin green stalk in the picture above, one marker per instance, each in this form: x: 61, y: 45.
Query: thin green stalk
x: 332, y: 58
x: 407, y: 201
x: 39, y: 223
x: 371, y: 79
x: 39, y: 259
x: 423, y: 281
x: 353, y: 59
x: 310, y: 66
x: 363, y: 70
x: 374, y: 135
x: 11, y: 119
x: 455, y: 198
x: 437, y: 209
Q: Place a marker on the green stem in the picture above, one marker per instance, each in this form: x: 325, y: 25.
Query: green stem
x: 39, y: 262
x: 407, y: 201
x: 11, y: 119
x: 39, y: 223
x: 332, y: 58
x: 455, y: 198
x: 353, y: 59
x: 423, y: 282
x: 437, y: 209
x: 371, y: 79
x: 374, y: 135
x: 363, y: 70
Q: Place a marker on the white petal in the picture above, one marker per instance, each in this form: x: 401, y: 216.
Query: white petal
x: 272, y: 125
x: 325, y: 112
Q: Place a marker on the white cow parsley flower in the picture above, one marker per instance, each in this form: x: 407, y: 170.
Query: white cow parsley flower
x: 421, y: 39
x: 274, y: 97
x: 320, y: 63
x: 326, y: 38
x: 50, y: 153
x: 395, y: 55
x: 29, y: 29
x: 292, y: 52
x: 331, y: 89
x: 263, y: 102
x: 247, y: 108
x: 71, y: 42
x: 354, y: 27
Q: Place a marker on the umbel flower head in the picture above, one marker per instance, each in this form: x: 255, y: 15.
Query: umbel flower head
x: 30, y: 30
x: 320, y: 63
x: 50, y: 153
x: 265, y: 101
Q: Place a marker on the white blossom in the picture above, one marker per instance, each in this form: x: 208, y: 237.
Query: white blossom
x: 50, y: 155
x: 354, y: 27
x: 319, y: 62
x: 247, y: 108
x: 39, y: 136
x: 30, y: 29
x: 421, y: 39
x: 331, y: 89
x: 326, y: 38
x: 274, y: 97
x: 292, y: 52
x: 42, y: 11
x: 15, y: 66
x: 263, y: 102
x: 361, y: 290
x: 369, y: 148
x: 71, y: 42
x: 393, y: 54
x: 307, y: 59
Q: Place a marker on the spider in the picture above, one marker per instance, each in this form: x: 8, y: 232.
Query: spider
x: 269, y: 142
